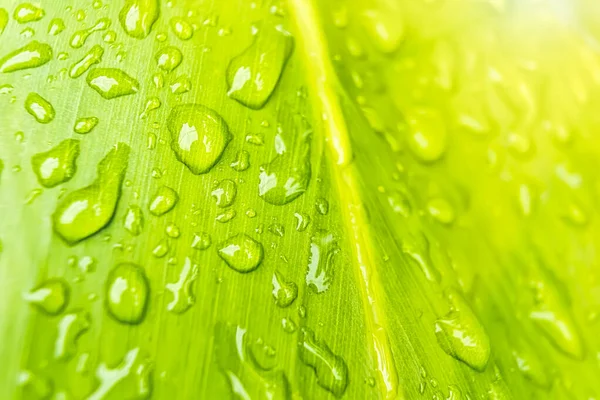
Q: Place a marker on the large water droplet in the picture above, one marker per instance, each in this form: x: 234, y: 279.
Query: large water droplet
x: 111, y: 83
x: 241, y: 253
x: 57, y: 165
x: 323, y: 248
x: 331, y: 370
x: 461, y: 335
x: 224, y: 193
x: 51, y: 296
x: 93, y: 56
x: 127, y: 293
x: 427, y: 136
x: 253, y: 75
x: 27, y: 12
x: 138, y: 16
x: 31, y: 55
x: 284, y: 292
x: 198, y: 136
x: 70, y: 327
x: 287, y: 176
x: 84, y: 212
x: 163, y: 201
x: 183, y: 289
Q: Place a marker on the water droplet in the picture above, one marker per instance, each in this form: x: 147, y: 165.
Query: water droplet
x: 441, y: 210
x: 257, y: 139
x: 277, y: 229
x: 224, y: 193
x: 80, y: 37
x: 427, y: 136
x: 400, y: 204
x: 28, y: 32
x: 241, y: 253
x: 152, y: 104
x: 39, y: 108
x: 138, y: 16
x: 385, y: 28
x: 323, y: 248
x: 3, y: 19
x: 86, y: 211
x: 127, y: 293
x: 34, y: 387
x: 134, y: 220
x: 201, y: 241
x: 27, y: 12
x: 253, y: 75
x: 461, y: 335
x: 163, y: 201
x: 226, y: 216
x: 56, y: 26
x: 322, y: 206
x: 31, y: 55
x: 181, y: 28
x: 70, y: 327
x: 172, y: 231
x: 161, y: 249
x: 331, y: 370
x: 302, y: 221
x: 530, y: 365
x: 242, y: 161
x: 198, y: 136
x: 284, y: 292
x: 287, y: 176
x: 288, y: 325
x: 244, y: 372
x: 110, y: 37
x: 57, y: 165
x: 94, y: 56
x: 86, y: 264
x: 85, y: 125
x: 262, y: 354
x: 417, y: 248
x: 181, y: 85
x: 51, y: 296
x: 168, y: 58
x: 111, y: 83
x: 183, y: 288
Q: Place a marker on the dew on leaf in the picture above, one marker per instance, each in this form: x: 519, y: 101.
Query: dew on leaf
x: 161, y: 249
x: 180, y: 85
x: 198, y: 136
x: 417, y: 250
x: 288, y: 325
x: 85, y: 125
x: 302, y: 221
x: 80, y: 37
x: 56, y: 26
x: 163, y: 201
x: 86, y: 211
x: 224, y: 193
x: 27, y: 12
x: 441, y: 210
x: 427, y: 136
x: 134, y: 220
x: 57, y: 165
x: 181, y: 28
x: 182, y: 290
x: 168, y: 58
x: 51, y: 296
x: 226, y: 216
x: 3, y: 19
x: 250, y: 82
x: 323, y: 248
x: 241, y: 253
x: 93, y: 56
x: 322, y: 206
x: 70, y: 327
x: 138, y: 16
x: 33, y: 386
x: 284, y: 292
x: 111, y: 83
x: 242, y: 161
x: 153, y: 103
x: 201, y: 241
x: 39, y: 108
x: 127, y: 293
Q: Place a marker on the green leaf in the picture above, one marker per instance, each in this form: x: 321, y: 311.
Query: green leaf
x: 360, y: 199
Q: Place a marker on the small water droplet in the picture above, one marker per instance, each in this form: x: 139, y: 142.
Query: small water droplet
x: 57, y: 165
x: 134, y: 220
x: 226, y: 216
x: 385, y: 28
x: 322, y: 206
x: 417, y: 248
x: 138, y: 16
x: 302, y: 221
x: 323, y: 248
x: 163, y: 201
x: 331, y: 370
x: 427, y: 136
x: 33, y: 386
x: 27, y: 12
x: 180, y: 85
x: 198, y: 136
x: 85, y: 125
x: 224, y: 193
x: 288, y: 325
x: 284, y: 292
x: 70, y: 327
x: 161, y: 249
x: 3, y: 19
x: 127, y: 293
x: 94, y: 56
x: 169, y: 58
x: 242, y: 161
x: 39, y: 108
x: 51, y: 296
x: 253, y: 75
x: 111, y: 83
x: 183, y: 289
x: 181, y: 28
x: 201, y: 241
x: 56, y: 26
x: 86, y: 211
x: 441, y: 210
x: 241, y: 253
x: 152, y: 104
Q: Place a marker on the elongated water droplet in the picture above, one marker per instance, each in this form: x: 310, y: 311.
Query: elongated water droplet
x: 32, y: 55
x: 417, y: 248
x: 224, y: 193
x: 201, y: 241
x: 80, y: 37
x: 241, y: 253
x: 253, y: 75
x: 287, y: 176
x: 51, y: 296
x: 85, y: 125
x: 161, y: 249
x: 168, y: 58
x: 57, y: 165
x: 427, y: 137
x: 331, y: 370
x: 94, y: 56
x: 70, y: 327
x: 183, y: 289
x: 284, y: 292
x: 111, y: 83
x: 3, y: 19
x: 39, y: 108
x: 138, y: 16
x: 134, y: 220
x: 27, y: 12
x: 181, y: 28
x: 127, y: 293
x: 323, y: 248
x: 86, y: 211
x: 244, y: 372
x: 198, y: 136
x: 56, y: 26
x: 461, y: 335
x: 163, y: 201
